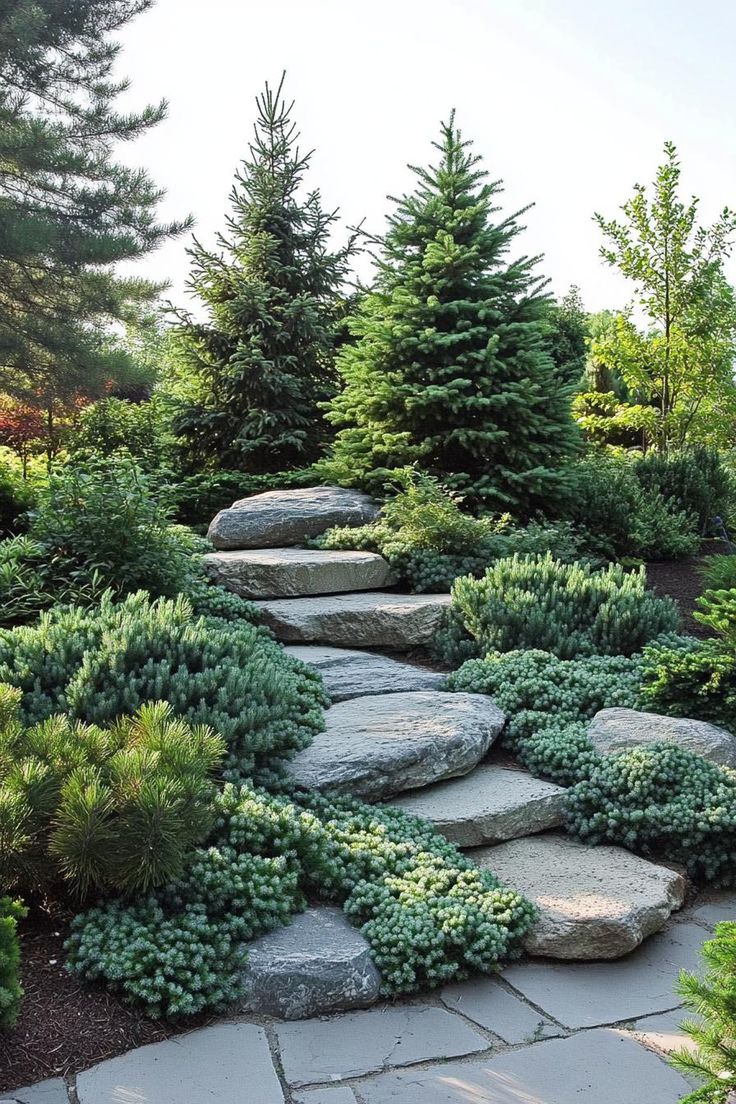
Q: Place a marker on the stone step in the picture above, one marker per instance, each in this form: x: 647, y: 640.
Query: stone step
x: 613, y: 730
x: 369, y: 619
x: 594, y: 902
x: 489, y: 805
x: 320, y: 963
x: 296, y: 572
x: 375, y: 747
x: 348, y: 673
x: 277, y: 518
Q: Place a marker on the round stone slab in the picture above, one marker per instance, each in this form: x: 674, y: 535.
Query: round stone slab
x: 296, y: 572
x: 614, y: 730
x: 488, y: 805
x: 376, y: 747
x: 594, y: 902
x: 277, y: 518
x: 369, y: 619
x: 320, y: 963
x: 348, y: 673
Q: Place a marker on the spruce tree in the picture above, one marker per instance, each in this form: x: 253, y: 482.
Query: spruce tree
x: 263, y: 361
x: 450, y: 370
x: 69, y: 213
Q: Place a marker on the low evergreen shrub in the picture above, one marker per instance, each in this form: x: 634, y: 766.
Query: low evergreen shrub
x: 568, y: 609
x: 693, y: 481
x: 11, y: 991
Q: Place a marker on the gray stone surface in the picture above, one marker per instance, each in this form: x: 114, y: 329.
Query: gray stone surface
x: 230, y: 1064
x: 296, y: 572
x: 277, y: 518
x: 600, y: 1067
x: 614, y: 730
x: 349, y: 673
x: 320, y: 963
x: 488, y: 1003
x: 333, y: 1094
x: 375, y: 747
x: 594, y: 902
x: 369, y: 619
x: 594, y: 993
x: 663, y: 1033
x: 715, y: 908
x: 340, y: 1047
x: 489, y: 805
x: 52, y: 1091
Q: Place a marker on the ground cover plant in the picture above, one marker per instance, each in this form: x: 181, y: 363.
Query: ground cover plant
x: 11, y: 991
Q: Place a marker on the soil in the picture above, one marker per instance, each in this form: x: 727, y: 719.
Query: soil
x: 681, y: 580
x: 66, y: 1025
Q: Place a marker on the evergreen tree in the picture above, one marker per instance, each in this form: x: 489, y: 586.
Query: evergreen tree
x: 450, y: 370
x: 69, y: 213
x: 567, y: 338
x: 263, y: 361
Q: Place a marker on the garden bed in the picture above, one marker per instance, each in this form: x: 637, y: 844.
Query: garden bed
x: 681, y: 580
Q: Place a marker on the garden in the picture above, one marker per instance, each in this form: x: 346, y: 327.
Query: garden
x: 301, y: 589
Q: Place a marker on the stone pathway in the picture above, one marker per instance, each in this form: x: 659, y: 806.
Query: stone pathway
x: 540, y: 1032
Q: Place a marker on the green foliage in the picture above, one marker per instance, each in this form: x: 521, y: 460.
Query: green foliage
x: 428, y: 914
x: 198, y: 497
x: 449, y: 369
x: 567, y: 336
x: 11, y: 991
x: 695, y: 482
x: 17, y: 495
x: 661, y: 800
x: 719, y: 572
x: 262, y: 362
x: 568, y: 609
x: 112, y: 425
x: 23, y: 585
x: 99, y: 662
x: 713, y: 999
x: 620, y: 517
x: 102, y: 808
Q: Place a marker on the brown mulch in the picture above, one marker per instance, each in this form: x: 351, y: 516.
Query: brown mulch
x: 65, y: 1025
x: 682, y: 581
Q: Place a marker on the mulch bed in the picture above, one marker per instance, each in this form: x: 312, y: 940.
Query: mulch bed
x: 681, y: 580
x: 65, y: 1025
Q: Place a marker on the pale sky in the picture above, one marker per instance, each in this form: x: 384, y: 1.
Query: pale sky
x: 569, y: 101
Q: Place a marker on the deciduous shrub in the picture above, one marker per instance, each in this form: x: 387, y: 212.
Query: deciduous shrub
x: 17, y: 495
x: 100, y: 662
x: 713, y: 999
x: 103, y: 808
x: 568, y: 609
x: 428, y: 914
x: 11, y: 991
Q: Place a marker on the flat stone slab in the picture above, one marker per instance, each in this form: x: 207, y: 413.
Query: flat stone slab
x: 489, y: 805
x: 485, y: 1001
x: 613, y: 730
x: 277, y: 518
x: 715, y: 907
x: 369, y: 619
x: 593, y: 993
x: 333, y: 1094
x: 663, y: 1033
x: 320, y: 963
x: 340, y: 1047
x: 296, y: 572
x: 348, y: 673
x: 594, y: 902
x: 227, y: 1063
x: 376, y: 747
x: 603, y: 1067
x: 52, y: 1091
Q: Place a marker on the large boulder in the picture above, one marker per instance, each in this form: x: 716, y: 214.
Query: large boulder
x: 320, y: 963
x: 489, y: 805
x: 376, y: 747
x: 594, y: 902
x: 348, y: 673
x: 369, y: 619
x: 277, y: 518
x: 296, y: 572
x: 614, y: 730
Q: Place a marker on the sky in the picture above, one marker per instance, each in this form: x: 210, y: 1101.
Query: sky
x: 568, y: 101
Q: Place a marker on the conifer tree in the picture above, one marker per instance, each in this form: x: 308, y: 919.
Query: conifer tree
x: 450, y: 369
x: 263, y: 361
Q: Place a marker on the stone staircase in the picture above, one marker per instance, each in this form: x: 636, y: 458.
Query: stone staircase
x: 394, y: 734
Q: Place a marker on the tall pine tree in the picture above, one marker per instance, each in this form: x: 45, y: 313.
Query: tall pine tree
x: 69, y: 212
x: 450, y: 369
x: 263, y: 361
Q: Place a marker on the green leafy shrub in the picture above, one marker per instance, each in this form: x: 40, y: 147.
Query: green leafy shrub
x: 661, y: 800
x: 568, y: 609
x: 695, y: 482
x: 100, y: 662
x: 11, y: 991
x: 428, y: 914
x: 102, y: 808
x: 133, y: 429
x: 23, y: 588
x: 713, y: 999
x: 17, y: 495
